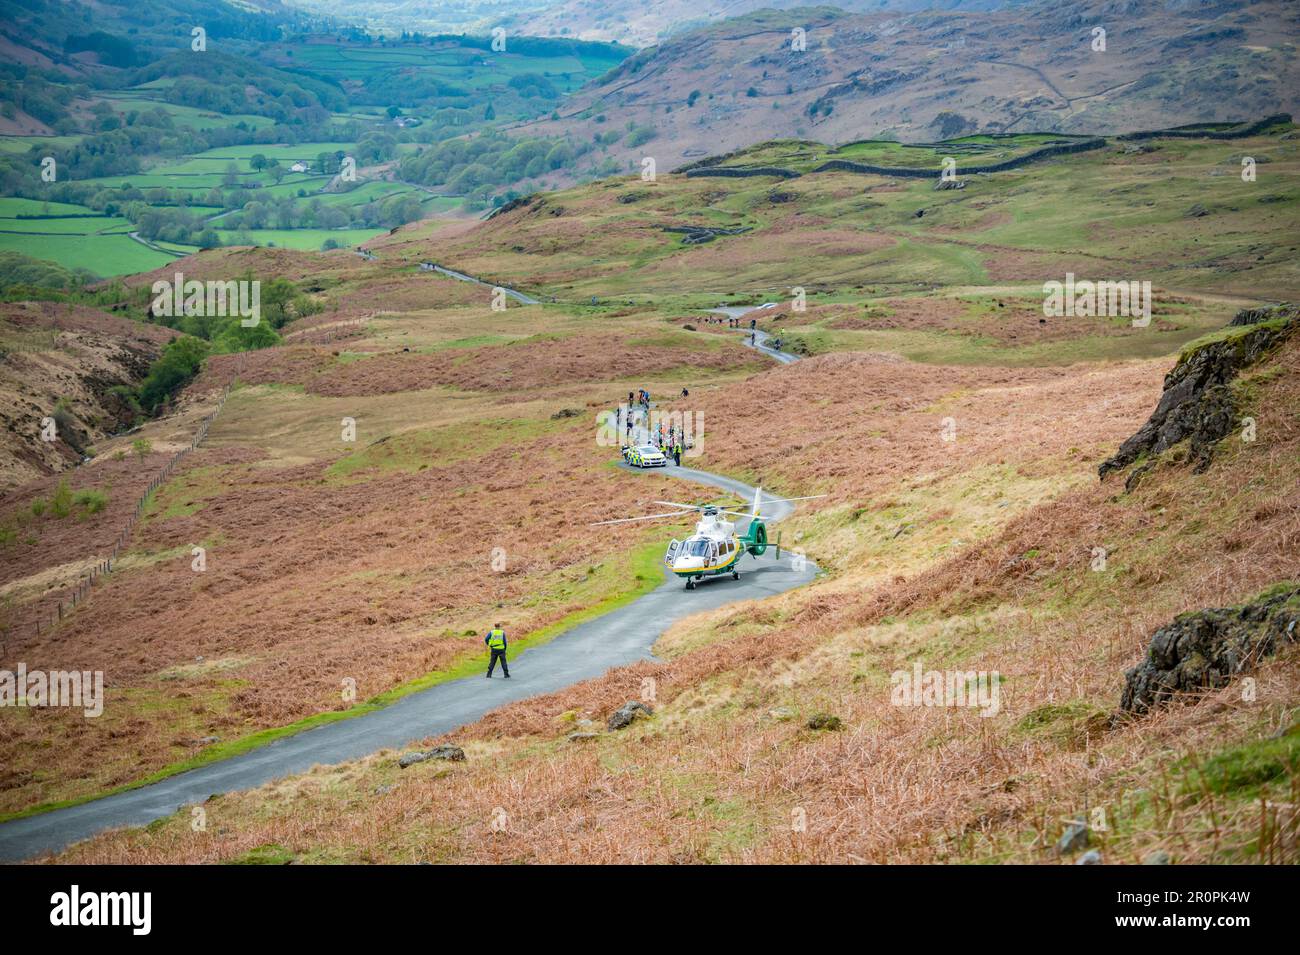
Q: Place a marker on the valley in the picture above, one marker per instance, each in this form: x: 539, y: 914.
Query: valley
x: 1020, y: 330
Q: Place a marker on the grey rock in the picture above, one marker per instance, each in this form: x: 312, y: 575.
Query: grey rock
x: 582, y: 737
x: 1091, y: 857
x: 1159, y: 857
x: 1204, y: 649
x: 626, y: 714
x: 1074, y: 838
x: 453, y: 753
x: 1197, y: 403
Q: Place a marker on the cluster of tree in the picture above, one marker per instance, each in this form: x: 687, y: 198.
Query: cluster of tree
x: 149, y: 132
x: 20, y: 275
x: 180, y: 361
x: 286, y: 213
x: 113, y: 50
x: 529, y: 85
x: 491, y: 159
x: 39, y: 94
x: 230, y: 84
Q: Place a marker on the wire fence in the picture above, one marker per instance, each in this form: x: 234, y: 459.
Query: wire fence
x: 85, y: 584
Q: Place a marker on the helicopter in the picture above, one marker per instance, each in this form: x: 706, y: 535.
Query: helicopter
x: 715, y: 548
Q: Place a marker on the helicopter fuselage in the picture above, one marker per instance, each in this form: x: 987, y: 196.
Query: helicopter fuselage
x: 714, y: 549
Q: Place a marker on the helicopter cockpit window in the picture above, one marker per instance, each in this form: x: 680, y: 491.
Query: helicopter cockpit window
x: 697, y: 548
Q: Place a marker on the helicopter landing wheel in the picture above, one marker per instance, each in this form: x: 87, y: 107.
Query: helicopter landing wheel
x: 690, y: 584
x: 735, y: 575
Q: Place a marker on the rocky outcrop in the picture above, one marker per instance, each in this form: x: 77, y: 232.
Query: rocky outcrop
x: 627, y: 714
x: 448, y: 752
x: 1206, y: 648
x: 698, y: 234
x: 1198, y: 404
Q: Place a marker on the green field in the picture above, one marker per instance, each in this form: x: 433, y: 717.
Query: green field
x: 185, y: 116
x: 309, y: 239
x: 102, y: 255
x: 78, y: 225
x: 12, y: 207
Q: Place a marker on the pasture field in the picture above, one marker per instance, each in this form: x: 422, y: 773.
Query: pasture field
x: 103, y: 255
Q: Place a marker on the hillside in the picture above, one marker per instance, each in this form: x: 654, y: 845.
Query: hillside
x: 925, y: 76
x: 774, y: 738
x: 956, y: 430
x: 653, y: 22
x: 64, y: 363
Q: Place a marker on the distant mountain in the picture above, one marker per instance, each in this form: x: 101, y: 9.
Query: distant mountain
x: 74, y: 37
x: 646, y: 23
x: 933, y: 75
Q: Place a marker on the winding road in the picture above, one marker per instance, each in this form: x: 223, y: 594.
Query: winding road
x: 759, y: 343
x: 588, y: 650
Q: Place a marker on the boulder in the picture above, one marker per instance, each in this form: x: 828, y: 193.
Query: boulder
x: 1204, y: 649
x: 1197, y: 404
x: 627, y: 714
x: 1074, y: 838
x: 453, y: 753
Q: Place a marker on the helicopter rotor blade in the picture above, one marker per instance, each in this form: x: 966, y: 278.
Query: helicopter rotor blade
x: 695, y: 507
x: 648, y: 517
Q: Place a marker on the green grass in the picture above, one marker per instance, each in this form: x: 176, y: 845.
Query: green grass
x: 102, y: 255
x: 412, y: 451
x: 12, y: 206
x: 1243, y: 770
x: 70, y: 226
x: 309, y: 240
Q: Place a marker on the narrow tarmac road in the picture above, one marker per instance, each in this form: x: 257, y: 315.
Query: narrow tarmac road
x: 760, y: 337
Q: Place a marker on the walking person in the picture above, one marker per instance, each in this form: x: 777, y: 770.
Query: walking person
x: 496, y: 642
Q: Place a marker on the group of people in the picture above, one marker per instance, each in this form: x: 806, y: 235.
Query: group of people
x: 635, y: 417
